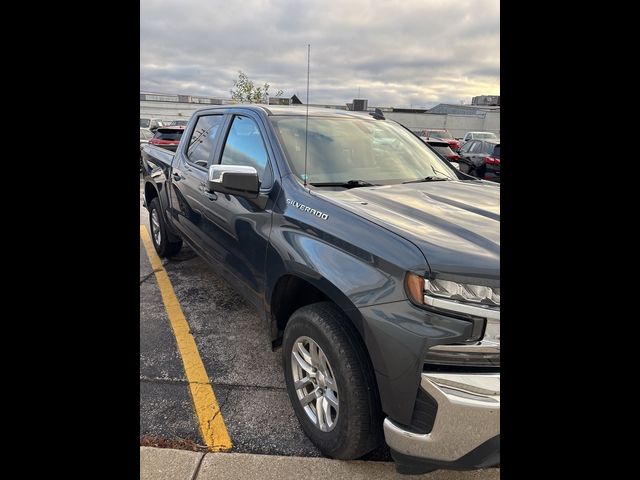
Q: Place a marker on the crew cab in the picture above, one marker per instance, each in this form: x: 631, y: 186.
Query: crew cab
x: 373, y: 262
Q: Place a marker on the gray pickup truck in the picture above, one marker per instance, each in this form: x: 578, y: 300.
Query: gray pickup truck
x: 373, y: 262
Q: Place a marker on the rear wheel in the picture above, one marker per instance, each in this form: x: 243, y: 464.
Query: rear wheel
x: 159, y: 235
x: 330, y: 382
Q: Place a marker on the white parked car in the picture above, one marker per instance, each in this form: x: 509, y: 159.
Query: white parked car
x: 479, y: 136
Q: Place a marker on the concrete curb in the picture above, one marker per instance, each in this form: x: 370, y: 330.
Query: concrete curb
x: 165, y: 464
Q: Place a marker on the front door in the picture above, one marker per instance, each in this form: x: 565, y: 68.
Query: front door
x: 240, y: 227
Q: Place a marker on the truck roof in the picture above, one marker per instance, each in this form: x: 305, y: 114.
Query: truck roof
x: 301, y: 110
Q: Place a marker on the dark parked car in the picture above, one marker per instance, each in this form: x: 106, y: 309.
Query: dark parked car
x: 481, y: 159
x: 374, y: 265
x: 167, y: 137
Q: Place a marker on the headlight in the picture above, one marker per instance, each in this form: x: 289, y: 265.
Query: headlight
x: 463, y: 292
x: 465, y: 298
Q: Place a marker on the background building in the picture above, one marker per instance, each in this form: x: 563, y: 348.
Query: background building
x: 486, y: 100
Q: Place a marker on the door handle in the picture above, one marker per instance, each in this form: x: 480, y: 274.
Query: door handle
x: 210, y: 195
x: 176, y: 176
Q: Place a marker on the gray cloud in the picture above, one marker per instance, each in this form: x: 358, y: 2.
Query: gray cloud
x: 399, y: 53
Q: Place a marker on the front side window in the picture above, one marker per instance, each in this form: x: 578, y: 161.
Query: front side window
x: 343, y: 149
x: 203, y: 139
x: 144, y: 123
x: 244, y: 146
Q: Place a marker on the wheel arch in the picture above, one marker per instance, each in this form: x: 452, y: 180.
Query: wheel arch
x: 293, y: 290
x: 150, y: 192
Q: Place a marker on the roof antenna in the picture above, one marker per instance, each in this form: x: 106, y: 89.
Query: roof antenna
x: 306, y: 127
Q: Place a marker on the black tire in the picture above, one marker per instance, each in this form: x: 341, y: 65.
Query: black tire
x: 358, y: 426
x: 166, y: 247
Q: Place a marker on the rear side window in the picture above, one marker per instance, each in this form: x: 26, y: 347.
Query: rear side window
x: 245, y: 146
x: 162, y: 134
x: 203, y: 139
x: 496, y: 152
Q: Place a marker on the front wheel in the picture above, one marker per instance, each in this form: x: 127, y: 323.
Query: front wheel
x: 330, y: 382
x: 159, y: 235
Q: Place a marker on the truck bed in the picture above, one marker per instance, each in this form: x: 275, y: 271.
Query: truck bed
x: 157, y: 156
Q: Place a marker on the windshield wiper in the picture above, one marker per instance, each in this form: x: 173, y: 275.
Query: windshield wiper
x: 428, y: 179
x: 347, y: 184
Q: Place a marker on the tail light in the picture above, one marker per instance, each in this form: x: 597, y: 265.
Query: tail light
x: 454, y: 158
x: 492, y: 161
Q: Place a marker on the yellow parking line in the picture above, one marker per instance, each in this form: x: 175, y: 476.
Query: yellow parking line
x: 214, y: 432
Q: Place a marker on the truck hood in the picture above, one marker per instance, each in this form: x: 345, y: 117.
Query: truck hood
x: 456, y: 224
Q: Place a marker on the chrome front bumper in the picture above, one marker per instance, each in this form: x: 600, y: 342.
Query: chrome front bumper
x: 468, y: 416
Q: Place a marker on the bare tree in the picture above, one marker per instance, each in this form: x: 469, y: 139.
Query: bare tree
x: 245, y: 91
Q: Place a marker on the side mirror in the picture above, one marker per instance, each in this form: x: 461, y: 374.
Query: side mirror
x: 236, y: 180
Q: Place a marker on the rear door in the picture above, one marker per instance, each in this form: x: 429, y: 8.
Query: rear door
x: 189, y: 173
x: 238, y: 228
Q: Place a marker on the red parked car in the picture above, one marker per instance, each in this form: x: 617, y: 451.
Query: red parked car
x: 167, y: 137
x: 442, y: 135
x: 443, y: 148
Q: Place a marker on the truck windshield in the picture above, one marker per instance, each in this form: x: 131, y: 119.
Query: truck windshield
x: 343, y: 149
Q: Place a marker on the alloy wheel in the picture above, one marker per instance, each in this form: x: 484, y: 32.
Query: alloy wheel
x: 315, y: 383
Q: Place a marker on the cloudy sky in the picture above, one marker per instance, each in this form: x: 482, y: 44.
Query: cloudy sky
x: 398, y: 53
